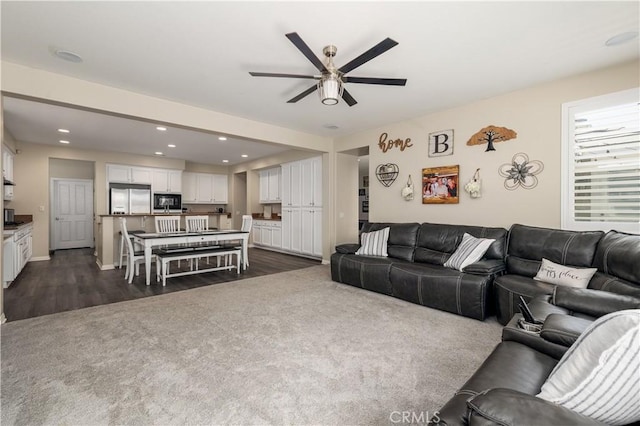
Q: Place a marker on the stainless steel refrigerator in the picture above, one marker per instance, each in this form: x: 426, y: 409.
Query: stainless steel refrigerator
x: 129, y: 199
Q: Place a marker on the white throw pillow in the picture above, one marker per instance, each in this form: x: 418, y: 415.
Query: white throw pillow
x: 374, y: 243
x: 553, y: 273
x: 599, y: 376
x: 470, y: 250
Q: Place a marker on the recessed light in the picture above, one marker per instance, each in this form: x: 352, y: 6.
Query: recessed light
x: 222, y: 138
x: 68, y: 56
x: 225, y: 161
x: 162, y: 129
x: 159, y: 153
x: 65, y: 142
x: 621, y: 38
x: 244, y: 156
x: 171, y: 145
x: 63, y: 130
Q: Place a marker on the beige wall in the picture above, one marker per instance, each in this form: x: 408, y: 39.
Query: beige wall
x: 346, y: 212
x: 534, y: 113
x: 71, y: 169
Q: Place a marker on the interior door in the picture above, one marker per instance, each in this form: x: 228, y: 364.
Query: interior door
x: 72, y: 213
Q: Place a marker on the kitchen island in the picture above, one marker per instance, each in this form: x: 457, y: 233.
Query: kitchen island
x: 108, y: 231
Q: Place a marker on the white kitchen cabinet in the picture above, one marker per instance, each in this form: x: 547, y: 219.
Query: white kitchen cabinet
x: 290, y: 184
x: 311, y: 233
x: 220, y: 189
x: 7, y: 164
x: 270, y: 185
x: 311, y: 182
x: 17, y: 250
x: 267, y: 233
x: 189, y: 189
x: 291, y: 229
x: 276, y: 235
x: 204, y: 188
x: 118, y: 173
x: 167, y: 181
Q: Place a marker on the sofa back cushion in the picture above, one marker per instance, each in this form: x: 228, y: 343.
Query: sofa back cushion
x: 402, y: 238
x: 527, y: 245
x: 437, y: 242
x: 618, y: 255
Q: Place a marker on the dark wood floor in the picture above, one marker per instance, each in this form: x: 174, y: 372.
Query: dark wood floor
x: 71, y: 280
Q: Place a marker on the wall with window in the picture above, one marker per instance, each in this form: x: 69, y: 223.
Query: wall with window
x: 535, y: 113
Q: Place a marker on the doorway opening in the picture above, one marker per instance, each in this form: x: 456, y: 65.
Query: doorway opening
x: 71, y: 222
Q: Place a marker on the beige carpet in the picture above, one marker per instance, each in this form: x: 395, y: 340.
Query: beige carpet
x: 289, y: 348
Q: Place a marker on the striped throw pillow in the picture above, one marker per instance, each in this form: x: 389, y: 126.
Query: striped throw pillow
x: 599, y: 376
x: 470, y: 250
x: 374, y: 243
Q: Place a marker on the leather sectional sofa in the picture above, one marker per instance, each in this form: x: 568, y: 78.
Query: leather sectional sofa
x: 616, y: 255
x: 502, y: 391
x: 414, y: 270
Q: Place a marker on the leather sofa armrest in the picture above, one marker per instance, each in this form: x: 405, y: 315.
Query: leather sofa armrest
x: 592, y: 302
x: 347, y: 248
x: 510, y: 407
x: 486, y: 267
x: 563, y: 329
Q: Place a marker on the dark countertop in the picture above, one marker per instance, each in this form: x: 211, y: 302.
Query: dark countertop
x: 169, y: 214
x: 26, y: 219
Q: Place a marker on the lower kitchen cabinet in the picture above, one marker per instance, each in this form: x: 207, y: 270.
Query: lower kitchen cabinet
x: 16, y: 252
x: 267, y: 234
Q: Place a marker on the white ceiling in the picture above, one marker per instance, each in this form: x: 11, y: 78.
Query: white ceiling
x: 200, y: 53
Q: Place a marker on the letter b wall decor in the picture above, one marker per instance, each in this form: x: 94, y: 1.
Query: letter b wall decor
x: 441, y: 143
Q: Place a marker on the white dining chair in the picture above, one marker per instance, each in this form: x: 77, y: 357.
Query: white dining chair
x: 247, y: 223
x: 197, y: 224
x: 134, y: 258
x: 166, y: 224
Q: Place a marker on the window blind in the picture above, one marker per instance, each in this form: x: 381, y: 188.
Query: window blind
x: 606, y: 164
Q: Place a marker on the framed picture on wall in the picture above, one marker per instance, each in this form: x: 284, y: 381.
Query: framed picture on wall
x: 365, y: 207
x: 365, y: 181
x: 440, y: 185
x: 362, y: 192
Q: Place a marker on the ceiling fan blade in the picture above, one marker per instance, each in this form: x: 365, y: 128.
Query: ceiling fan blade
x: 370, y: 80
x: 307, y: 92
x: 270, y: 74
x: 376, y: 50
x: 306, y: 51
x: 348, y: 98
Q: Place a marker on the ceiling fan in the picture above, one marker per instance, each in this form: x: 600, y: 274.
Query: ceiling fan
x: 331, y: 80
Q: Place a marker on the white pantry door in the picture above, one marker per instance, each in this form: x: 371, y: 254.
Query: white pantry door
x: 72, y: 213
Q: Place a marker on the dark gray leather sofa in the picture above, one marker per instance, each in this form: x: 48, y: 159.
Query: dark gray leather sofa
x: 615, y: 254
x: 502, y: 391
x: 414, y: 270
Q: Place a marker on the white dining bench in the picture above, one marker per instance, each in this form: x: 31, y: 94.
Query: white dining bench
x: 164, y: 256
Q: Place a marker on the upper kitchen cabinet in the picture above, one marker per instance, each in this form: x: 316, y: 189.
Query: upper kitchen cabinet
x: 270, y: 185
x: 7, y: 164
x: 127, y: 174
x: 204, y: 188
x: 291, y: 184
x: 167, y: 181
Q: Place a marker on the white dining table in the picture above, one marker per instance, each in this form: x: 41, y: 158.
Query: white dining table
x: 149, y: 240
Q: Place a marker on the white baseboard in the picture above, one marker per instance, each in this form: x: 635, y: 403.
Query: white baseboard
x: 105, y: 267
x: 3, y: 319
x: 325, y: 262
x: 39, y: 258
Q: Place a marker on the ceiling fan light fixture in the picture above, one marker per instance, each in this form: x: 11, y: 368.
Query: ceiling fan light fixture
x: 330, y: 89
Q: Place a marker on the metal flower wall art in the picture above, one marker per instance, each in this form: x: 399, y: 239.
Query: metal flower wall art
x: 521, y: 172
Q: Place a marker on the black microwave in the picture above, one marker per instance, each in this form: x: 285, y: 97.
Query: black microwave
x: 167, y: 202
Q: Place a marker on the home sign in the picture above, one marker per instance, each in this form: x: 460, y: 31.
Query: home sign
x: 386, y: 145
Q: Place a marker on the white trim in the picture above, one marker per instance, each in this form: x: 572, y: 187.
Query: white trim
x: 39, y: 258
x: 3, y: 318
x: 102, y: 267
x: 569, y: 109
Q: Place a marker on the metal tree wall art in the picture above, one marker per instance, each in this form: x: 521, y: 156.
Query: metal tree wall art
x: 490, y: 135
x: 521, y: 172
